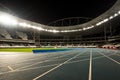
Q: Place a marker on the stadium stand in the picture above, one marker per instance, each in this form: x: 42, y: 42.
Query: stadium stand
x: 5, y: 34
x: 105, y: 33
x: 15, y: 38
x: 22, y: 35
x: 1, y: 37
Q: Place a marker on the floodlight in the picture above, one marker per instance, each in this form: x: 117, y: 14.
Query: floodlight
x: 84, y: 28
x: 105, y: 20
x: 37, y: 28
x: 79, y: 29
x: 64, y: 31
x: 55, y: 31
x: 26, y: 25
x: 23, y: 24
x: 115, y: 14
x: 118, y: 12
x: 98, y: 24
x: 6, y: 19
x: 111, y: 17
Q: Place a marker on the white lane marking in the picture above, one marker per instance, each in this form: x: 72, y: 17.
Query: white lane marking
x: 43, y: 61
x: 53, y: 65
x: 110, y: 58
x: 40, y: 63
x: 45, y: 73
x: 36, y: 58
x: 45, y: 65
x: 90, y: 66
x: 11, y: 69
x: 118, y: 54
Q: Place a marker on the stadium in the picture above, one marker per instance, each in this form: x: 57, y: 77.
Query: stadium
x: 64, y: 49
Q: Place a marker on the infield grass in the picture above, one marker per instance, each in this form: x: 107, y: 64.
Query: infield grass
x: 26, y: 49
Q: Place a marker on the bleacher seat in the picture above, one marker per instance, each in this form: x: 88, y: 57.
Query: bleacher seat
x: 22, y: 35
x: 5, y: 34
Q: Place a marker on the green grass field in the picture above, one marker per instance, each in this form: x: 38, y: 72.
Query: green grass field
x: 26, y: 49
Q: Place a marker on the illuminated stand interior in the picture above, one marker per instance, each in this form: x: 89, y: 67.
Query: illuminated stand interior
x: 9, y: 20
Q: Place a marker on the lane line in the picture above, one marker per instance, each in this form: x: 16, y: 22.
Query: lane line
x: 90, y: 66
x: 45, y: 73
x: 53, y: 65
x: 44, y: 61
x: 110, y: 58
x: 11, y: 69
x: 32, y: 58
x: 118, y: 54
x: 36, y: 58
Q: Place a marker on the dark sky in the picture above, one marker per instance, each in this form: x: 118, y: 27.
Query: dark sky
x: 46, y: 11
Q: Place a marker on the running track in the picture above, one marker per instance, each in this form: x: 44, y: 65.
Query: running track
x: 77, y: 64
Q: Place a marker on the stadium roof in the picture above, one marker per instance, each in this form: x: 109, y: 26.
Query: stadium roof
x: 110, y: 14
x: 47, y: 11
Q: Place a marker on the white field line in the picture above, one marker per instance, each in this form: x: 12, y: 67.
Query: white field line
x: 45, y: 73
x: 44, y: 61
x: 110, y: 58
x: 11, y: 69
x: 52, y: 65
x: 118, y: 54
x: 36, y: 58
x: 90, y: 66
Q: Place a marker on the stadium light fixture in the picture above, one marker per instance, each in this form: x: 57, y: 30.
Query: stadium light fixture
x: 79, y: 29
x: 55, y: 31
x: 111, y: 17
x: 118, y: 12
x: 23, y: 24
x: 38, y: 28
x: 105, y: 20
x: 115, y: 14
x: 6, y: 19
x: 30, y: 26
x: 99, y: 23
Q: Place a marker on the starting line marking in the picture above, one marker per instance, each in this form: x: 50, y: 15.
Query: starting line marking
x: 11, y: 69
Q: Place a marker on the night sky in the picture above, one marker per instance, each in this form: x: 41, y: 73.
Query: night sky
x: 46, y: 11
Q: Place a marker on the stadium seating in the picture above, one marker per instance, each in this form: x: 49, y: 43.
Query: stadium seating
x: 14, y: 38
x: 22, y: 35
x: 5, y: 34
x: 1, y: 37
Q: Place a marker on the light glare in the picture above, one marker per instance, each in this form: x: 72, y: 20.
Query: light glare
x: 7, y: 20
